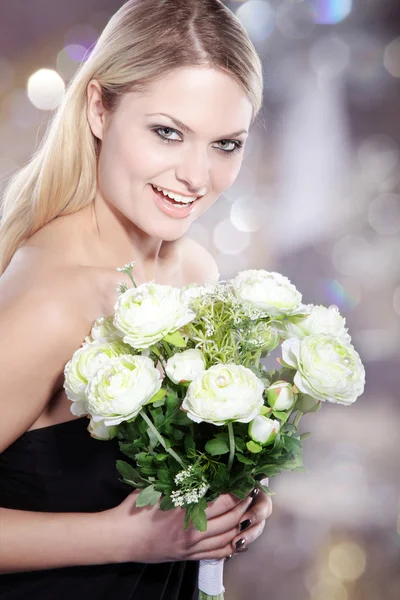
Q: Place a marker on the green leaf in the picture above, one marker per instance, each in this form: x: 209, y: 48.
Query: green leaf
x: 199, y: 518
x: 188, y: 442
x: 239, y: 493
x: 157, y: 396
x: 243, y: 459
x: 175, y: 339
x: 129, y: 450
x: 188, y: 515
x: 280, y: 414
x: 161, y: 457
x: 166, y: 503
x: 127, y: 471
x: 148, y: 496
x: 304, y: 436
x: 253, y: 447
x: 266, y: 489
x: 307, y: 404
x: 216, y: 446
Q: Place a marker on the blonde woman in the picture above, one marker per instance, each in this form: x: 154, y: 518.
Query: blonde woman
x: 149, y: 134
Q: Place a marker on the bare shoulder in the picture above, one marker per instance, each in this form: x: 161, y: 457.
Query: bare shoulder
x: 42, y: 323
x: 199, y: 264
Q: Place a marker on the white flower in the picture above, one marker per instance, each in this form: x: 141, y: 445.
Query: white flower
x: 225, y: 392
x: 186, y: 365
x: 317, y: 319
x: 280, y: 395
x: 99, y: 431
x: 103, y: 330
x: 263, y: 430
x: 146, y: 314
x: 196, y: 290
x: 270, y: 292
x: 119, y: 390
x: 327, y: 368
x: 83, y: 366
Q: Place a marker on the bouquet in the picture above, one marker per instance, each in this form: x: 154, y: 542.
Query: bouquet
x: 176, y: 375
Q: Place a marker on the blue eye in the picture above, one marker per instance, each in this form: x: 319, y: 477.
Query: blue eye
x: 237, y: 145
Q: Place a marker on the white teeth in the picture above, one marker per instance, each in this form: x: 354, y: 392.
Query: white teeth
x: 177, y: 197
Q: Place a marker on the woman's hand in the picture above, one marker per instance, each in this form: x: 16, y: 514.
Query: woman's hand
x: 151, y: 535
x: 253, y: 522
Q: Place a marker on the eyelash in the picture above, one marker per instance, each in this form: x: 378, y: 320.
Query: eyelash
x: 238, y: 144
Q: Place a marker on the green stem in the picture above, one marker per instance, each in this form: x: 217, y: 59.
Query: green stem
x: 297, y: 418
x: 160, y: 438
x: 204, y: 596
x: 167, y: 348
x: 231, y: 447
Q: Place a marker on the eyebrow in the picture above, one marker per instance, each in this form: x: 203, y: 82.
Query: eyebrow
x: 187, y: 129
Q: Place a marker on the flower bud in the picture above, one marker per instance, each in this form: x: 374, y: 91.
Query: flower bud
x: 280, y: 395
x: 263, y: 430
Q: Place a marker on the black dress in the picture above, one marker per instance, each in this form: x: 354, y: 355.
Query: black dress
x: 61, y: 468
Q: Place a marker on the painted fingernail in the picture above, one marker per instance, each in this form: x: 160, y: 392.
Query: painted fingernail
x: 255, y: 492
x: 245, y: 524
x: 240, y: 543
x: 228, y: 557
x: 241, y: 550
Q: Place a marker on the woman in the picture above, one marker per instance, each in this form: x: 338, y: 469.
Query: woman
x: 149, y: 134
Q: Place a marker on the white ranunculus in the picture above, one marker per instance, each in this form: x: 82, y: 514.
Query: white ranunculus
x: 317, y: 319
x: 103, y: 330
x: 186, y: 365
x: 196, y: 290
x: 99, y: 431
x: 271, y: 293
x: 280, y: 395
x: 119, y: 390
x: 146, y: 314
x: 263, y: 430
x: 223, y: 393
x: 83, y: 366
x: 327, y: 368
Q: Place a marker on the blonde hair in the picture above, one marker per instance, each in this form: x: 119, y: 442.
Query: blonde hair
x: 143, y: 41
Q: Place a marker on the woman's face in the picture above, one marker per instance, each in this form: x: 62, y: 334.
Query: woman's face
x: 201, y: 158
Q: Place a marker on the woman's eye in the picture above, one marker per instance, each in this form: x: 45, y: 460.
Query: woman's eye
x: 166, y: 133
x: 230, y: 145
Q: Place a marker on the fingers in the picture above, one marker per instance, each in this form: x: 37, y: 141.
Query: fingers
x: 227, y: 521
x: 255, y: 519
x: 221, y: 505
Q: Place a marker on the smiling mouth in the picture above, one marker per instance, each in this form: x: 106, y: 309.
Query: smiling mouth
x: 174, y: 198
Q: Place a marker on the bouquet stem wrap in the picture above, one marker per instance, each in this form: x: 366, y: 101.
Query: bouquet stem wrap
x: 211, y: 579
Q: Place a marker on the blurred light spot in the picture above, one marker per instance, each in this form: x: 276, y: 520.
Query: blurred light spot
x: 68, y: 60
x: 228, y: 240
x: 81, y: 35
x: 229, y: 267
x: 200, y: 233
x: 6, y: 74
x: 331, y: 11
x: 347, y: 561
x: 245, y: 183
x: 344, y: 292
x: 378, y: 155
x: 329, y: 56
x: 258, y: 18
x: 367, y: 76
x: 294, y: 19
x: 328, y: 589
x: 45, y: 89
x: 396, y: 300
x: 391, y: 57
x: 244, y: 216
x: 22, y: 112
x: 384, y: 214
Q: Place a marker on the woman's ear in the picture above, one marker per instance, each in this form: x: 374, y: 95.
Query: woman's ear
x: 95, y: 110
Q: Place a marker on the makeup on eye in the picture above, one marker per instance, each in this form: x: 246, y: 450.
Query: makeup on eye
x: 237, y: 143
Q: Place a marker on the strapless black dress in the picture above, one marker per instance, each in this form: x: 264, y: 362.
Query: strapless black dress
x: 61, y: 468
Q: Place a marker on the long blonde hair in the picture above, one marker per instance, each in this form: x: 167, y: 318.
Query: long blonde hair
x: 143, y: 41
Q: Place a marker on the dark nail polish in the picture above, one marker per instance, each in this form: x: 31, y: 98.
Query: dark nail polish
x: 228, y: 557
x: 241, y: 550
x: 245, y: 524
x: 255, y: 492
x: 240, y: 543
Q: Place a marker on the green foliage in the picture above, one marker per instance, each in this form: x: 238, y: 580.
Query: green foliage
x: 216, y: 447
x: 148, y: 496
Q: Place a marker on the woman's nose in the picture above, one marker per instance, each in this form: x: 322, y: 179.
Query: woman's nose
x: 193, y: 171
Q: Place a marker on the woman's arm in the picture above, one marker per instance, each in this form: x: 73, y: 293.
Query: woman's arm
x: 35, y: 540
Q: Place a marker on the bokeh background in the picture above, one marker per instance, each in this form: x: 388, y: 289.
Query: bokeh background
x: 318, y: 199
